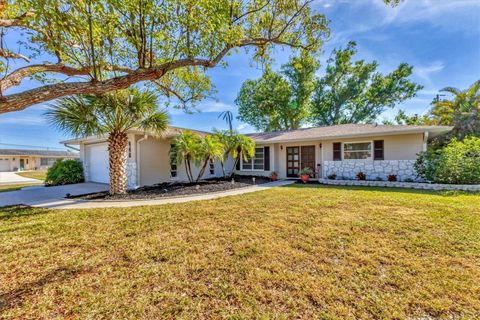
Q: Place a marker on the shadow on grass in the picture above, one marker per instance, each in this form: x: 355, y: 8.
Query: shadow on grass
x: 20, y: 294
x: 448, y: 193
x: 17, y: 211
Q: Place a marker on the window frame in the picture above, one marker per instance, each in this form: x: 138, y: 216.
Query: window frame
x: 353, y: 142
x: 211, y: 167
x: 173, y: 162
x: 252, y: 161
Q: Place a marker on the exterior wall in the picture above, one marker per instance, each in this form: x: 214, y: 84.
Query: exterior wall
x: 30, y: 163
x: 400, y: 153
x: 396, y: 147
x: 373, y: 169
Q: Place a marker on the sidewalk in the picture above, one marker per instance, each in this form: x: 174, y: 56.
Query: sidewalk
x: 87, y: 204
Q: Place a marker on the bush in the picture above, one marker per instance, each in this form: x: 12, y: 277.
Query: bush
x: 64, y: 172
x: 458, y: 163
x: 361, y: 176
x: 332, y: 176
x: 305, y: 172
x: 392, y: 177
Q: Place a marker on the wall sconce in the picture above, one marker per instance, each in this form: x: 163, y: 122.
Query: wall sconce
x: 281, y: 147
x: 320, y: 145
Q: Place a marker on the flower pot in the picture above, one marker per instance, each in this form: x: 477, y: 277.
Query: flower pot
x: 305, y: 178
x: 274, y: 178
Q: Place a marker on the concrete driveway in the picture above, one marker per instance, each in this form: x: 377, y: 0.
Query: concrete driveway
x: 43, y: 195
x: 13, y: 178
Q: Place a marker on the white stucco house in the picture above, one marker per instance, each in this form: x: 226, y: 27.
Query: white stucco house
x: 376, y: 150
x: 24, y: 159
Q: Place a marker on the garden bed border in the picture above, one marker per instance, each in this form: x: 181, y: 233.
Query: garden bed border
x: 398, y: 184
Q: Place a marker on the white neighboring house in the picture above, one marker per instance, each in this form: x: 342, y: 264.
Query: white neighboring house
x: 21, y: 160
x: 148, y: 159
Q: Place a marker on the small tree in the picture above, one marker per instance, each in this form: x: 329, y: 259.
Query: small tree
x: 112, y: 114
x: 239, y: 144
x: 186, y: 147
x: 210, y: 148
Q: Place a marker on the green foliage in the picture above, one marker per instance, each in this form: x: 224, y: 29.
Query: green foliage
x: 458, y: 162
x: 416, y: 119
x: 118, y: 111
x: 65, y: 172
x: 305, y: 171
x: 354, y: 92
x: 461, y: 112
x: 110, y: 38
x: 279, y: 101
x: 186, y: 147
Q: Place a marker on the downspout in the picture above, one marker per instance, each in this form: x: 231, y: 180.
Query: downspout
x: 137, y: 157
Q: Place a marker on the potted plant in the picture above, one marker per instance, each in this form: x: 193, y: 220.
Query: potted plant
x: 361, y: 176
x: 274, y: 176
x: 305, y: 174
x: 332, y: 176
x: 392, y: 177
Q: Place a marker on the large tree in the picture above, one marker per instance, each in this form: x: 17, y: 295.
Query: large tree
x: 355, y: 92
x: 279, y: 100
x: 111, y: 114
x: 92, y: 47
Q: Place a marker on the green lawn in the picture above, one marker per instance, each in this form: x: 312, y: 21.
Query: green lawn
x: 293, y: 252
x: 13, y: 187
x: 37, y: 174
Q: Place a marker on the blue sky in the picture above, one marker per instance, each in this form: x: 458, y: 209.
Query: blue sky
x: 440, y: 38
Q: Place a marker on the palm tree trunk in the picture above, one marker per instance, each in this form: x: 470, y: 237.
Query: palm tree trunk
x: 188, y: 169
x: 117, y: 158
x: 202, y: 170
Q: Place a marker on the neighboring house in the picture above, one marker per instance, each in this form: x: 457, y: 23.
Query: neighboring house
x: 20, y: 160
x: 377, y: 150
x: 148, y: 159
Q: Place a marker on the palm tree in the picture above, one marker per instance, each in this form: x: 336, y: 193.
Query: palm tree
x: 461, y: 112
x: 228, y: 117
x: 238, y: 144
x: 186, y: 147
x: 211, y: 148
x: 112, y: 114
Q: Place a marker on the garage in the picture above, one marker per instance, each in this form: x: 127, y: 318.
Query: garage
x: 4, y: 164
x: 97, y: 162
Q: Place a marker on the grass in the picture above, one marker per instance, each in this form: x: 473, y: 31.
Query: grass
x: 293, y: 252
x: 37, y: 174
x: 14, y: 187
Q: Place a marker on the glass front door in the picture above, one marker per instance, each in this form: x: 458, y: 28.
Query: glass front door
x: 293, y: 161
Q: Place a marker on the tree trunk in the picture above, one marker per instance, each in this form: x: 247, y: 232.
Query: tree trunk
x: 117, y: 158
x: 202, y: 170
x: 188, y: 169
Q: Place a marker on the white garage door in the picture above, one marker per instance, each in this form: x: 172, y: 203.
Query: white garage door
x: 4, y: 165
x: 97, y: 160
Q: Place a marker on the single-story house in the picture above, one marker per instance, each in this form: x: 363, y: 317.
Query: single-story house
x: 22, y: 159
x: 345, y: 150
x: 376, y: 150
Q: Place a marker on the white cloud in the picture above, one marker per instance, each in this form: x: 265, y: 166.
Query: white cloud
x: 28, y: 120
x: 215, y: 107
x: 425, y: 72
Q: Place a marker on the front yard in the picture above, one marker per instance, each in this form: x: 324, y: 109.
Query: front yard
x: 293, y: 252
x: 37, y: 174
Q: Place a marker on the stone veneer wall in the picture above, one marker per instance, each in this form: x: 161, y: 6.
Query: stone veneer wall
x: 404, y: 169
x: 131, y: 175
x: 410, y: 185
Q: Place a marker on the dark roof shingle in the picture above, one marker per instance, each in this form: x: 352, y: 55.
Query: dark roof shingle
x: 41, y: 153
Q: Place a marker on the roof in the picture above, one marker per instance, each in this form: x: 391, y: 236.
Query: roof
x: 345, y: 131
x: 40, y: 153
x: 169, y: 133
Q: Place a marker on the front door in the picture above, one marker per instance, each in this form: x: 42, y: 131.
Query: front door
x: 308, y: 157
x: 22, y: 164
x: 293, y: 161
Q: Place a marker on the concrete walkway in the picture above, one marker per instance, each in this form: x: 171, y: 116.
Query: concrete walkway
x: 7, y: 178
x: 87, y: 204
x: 40, y: 195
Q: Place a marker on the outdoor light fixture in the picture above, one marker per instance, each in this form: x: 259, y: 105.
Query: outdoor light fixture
x: 320, y: 145
x: 281, y: 147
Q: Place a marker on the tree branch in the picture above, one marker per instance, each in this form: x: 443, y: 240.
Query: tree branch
x: 10, y: 55
x: 15, y: 22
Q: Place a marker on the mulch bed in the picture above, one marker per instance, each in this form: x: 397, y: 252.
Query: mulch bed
x: 171, y: 189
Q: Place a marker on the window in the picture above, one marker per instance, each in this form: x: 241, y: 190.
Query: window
x: 255, y: 163
x: 378, y: 153
x: 46, y: 161
x: 357, y: 151
x: 212, y: 167
x: 129, y: 149
x: 173, y: 164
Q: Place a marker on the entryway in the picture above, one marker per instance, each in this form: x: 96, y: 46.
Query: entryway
x: 298, y: 158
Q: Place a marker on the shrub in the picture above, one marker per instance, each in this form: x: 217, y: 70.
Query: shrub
x: 379, y: 178
x: 458, y: 162
x: 305, y: 172
x: 392, y: 177
x: 64, y: 172
x: 332, y: 176
x: 408, y: 180
x: 361, y: 176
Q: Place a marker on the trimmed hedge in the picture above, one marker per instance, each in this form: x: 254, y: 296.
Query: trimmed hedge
x: 65, y: 172
x: 457, y: 163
